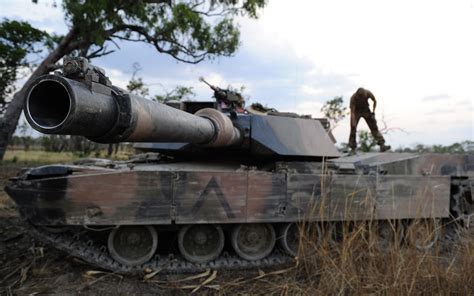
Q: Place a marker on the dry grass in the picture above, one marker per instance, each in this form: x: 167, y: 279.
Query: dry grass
x: 356, y: 263
x: 39, y: 157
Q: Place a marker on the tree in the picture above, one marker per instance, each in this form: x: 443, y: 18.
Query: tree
x: 137, y: 87
x: 366, y: 141
x: 462, y: 147
x: 188, y: 31
x: 179, y: 93
x: 19, y: 45
x: 334, y: 110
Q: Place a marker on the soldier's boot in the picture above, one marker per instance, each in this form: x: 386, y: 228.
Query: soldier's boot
x: 384, y: 147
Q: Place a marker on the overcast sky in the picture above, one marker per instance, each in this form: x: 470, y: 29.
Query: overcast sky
x: 415, y: 56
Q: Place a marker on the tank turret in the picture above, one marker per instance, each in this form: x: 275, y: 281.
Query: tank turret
x: 82, y: 101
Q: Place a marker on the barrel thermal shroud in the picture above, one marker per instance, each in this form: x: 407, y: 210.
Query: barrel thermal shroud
x: 59, y: 105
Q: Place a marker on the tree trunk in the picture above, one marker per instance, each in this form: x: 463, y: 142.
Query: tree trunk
x: 10, y: 119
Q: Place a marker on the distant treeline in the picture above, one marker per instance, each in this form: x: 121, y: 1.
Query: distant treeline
x: 83, y: 147
x: 61, y: 143
x: 368, y: 144
x: 461, y: 147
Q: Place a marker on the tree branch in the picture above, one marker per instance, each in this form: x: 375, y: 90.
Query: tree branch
x: 210, y: 12
x: 155, y: 41
x: 169, y: 2
x: 385, y: 129
x: 98, y: 53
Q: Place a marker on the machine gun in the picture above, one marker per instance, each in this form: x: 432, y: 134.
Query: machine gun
x: 228, y: 100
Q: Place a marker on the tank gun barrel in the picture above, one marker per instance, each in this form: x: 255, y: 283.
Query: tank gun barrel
x: 102, y: 113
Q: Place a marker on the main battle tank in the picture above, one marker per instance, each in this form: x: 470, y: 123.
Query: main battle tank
x: 223, y: 188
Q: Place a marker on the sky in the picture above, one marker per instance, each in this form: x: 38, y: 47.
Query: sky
x: 417, y: 57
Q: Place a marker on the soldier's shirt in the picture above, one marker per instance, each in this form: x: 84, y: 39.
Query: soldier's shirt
x: 361, y: 103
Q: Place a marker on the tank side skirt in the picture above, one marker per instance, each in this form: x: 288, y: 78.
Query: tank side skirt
x: 411, y: 197
x: 131, y: 197
x: 159, y: 197
x: 255, y: 196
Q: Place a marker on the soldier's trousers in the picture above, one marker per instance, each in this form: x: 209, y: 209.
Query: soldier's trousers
x: 371, y: 122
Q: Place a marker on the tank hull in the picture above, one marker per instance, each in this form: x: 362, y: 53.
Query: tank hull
x: 183, y: 193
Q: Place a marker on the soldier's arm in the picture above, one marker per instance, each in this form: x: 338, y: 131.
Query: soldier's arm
x: 372, y: 97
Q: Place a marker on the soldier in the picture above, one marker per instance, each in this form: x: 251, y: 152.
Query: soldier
x: 360, y: 108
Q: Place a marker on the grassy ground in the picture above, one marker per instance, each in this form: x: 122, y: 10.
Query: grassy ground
x: 38, y: 157
x: 354, y: 264
x: 19, y: 157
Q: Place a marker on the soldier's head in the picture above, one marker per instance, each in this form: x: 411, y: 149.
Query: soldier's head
x: 360, y: 91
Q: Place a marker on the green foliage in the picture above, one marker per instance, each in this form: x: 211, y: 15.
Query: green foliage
x: 19, y: 42
x: 366, y: 141
x: 334, y: 110
x: 189, y: 31
x: 454, y: 148
x: 462, y: 147
x: 54, y: 143
x: 137, y: 87
x: 179, y: 93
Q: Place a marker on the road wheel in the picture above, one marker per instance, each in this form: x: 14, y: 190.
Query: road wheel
x: 388, y: 234
x: 201, y: 243
x: 423, y: 234
x: 253, y: 241
x: 133, y: 245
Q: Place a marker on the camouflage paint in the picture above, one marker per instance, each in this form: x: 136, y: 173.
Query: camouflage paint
x: 145, y: 194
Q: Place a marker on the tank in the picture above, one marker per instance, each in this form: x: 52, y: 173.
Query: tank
x: 219, y: 186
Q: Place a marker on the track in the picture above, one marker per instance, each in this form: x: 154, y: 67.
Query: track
x: 81, y: 245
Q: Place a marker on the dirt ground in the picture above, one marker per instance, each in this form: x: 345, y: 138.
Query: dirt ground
x: 29, y: 268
